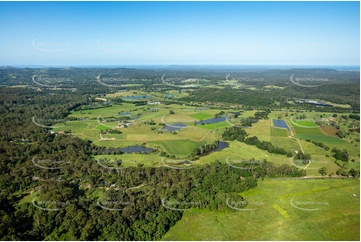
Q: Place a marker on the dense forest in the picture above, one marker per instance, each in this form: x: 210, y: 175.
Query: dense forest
x: 275, y: 98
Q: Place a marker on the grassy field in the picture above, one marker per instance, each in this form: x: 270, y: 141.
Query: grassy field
x: 187, y: 139
x: 214, y: 126
x: 201, y: 116
x: 277, y: 132
x: 261, y: 129
x: 284, y: 210
x: 286, y: 143
x: 179, y: 148
x: 238, y: 150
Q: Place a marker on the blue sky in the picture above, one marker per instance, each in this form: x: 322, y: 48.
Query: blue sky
x: 184, y: 33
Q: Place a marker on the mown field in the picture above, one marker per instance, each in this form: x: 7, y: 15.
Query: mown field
x: 283, y: 210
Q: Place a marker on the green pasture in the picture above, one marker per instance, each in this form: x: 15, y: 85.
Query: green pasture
x: 281, y: 214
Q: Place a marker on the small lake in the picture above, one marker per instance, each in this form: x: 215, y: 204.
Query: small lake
x: 280, y: 123
x: 136, y: 148
x: 125, y: 114
x: 221, y: 145
x: 174, y: 127
x: 137, y: 97
x: 212, y: 120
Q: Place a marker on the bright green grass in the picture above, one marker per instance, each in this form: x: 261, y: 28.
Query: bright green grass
x: 150, y: 160
x: 138, y: 134
x: 318, y: 161
x: 318, y: 136
x: 195, y: 133
x: 238, y: 150
x: 261, y: 129
x: 337, y: 219
x: 84, y: 129
x: 277, y: 132
x: 214, y: 126
x: 285, y: 143
x: 312, y: 149
x: 179, y: 148
x: 305, y: 123
x: 355, y: 165
x: 200, y: 116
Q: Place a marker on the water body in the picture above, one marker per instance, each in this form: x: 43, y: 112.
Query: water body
x: 280, y: 123
x: 130, y: 149
x: 201, y: 109
x: 235, y: 113
x: 313, y: 102
x: 221, y: 145
x: 125, y: 114
x: 212, y: 120
x: 174, y: 127
x: 136, y: 148
x: 137, y: 97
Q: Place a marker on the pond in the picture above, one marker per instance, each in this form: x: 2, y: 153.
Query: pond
x: 136, y: 148
x: 212, y: 120
x: 200, y: 109
x: 137, y: 97
x: 130, y: 149
x: 221, y: 145
x: 174, y: 127
x: 280, y: 123
x: 125, y: 114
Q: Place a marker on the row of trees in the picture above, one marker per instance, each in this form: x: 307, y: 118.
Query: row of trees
x: 239, y: 134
